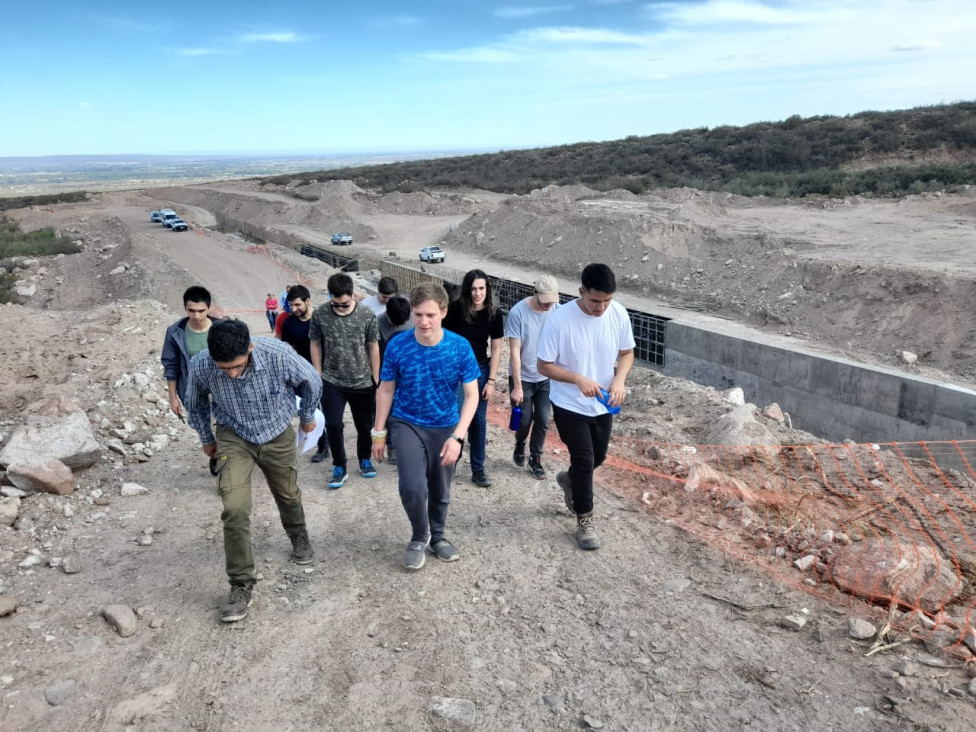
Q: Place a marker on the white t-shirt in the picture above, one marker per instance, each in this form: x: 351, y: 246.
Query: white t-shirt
x: 586, y: 345
x: 373, y: 303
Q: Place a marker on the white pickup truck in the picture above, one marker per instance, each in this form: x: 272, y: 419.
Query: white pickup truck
x: 432, y: 254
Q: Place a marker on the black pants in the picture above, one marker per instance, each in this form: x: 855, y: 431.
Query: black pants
x: 587, y: 439
x: 360, y: 401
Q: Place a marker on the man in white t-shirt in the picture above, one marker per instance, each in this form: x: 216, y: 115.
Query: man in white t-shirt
x: 386, y: 290
x: 528, y: 388
x: 580, y: 345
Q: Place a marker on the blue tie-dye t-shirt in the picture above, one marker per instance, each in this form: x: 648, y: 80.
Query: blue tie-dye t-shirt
x: 426, y: 377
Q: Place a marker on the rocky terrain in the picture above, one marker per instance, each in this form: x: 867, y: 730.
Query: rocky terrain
x: 718, y: 600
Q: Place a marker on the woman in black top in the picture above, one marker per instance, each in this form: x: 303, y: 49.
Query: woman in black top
x: 475, y: 317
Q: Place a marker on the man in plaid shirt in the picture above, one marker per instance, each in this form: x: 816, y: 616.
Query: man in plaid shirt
x: 249, y: 388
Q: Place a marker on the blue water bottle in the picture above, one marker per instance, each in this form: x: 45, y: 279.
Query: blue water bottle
x: 516, y: 420
x: 604, y: 399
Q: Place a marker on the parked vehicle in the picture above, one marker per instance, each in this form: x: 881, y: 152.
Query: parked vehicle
x: 342, y: 239
x: 155, y: 217
x: 432, y: 254
x: 178, y: 225
x: 166, y: 217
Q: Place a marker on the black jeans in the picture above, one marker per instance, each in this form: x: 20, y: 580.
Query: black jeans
x: 361, y: 402
x: 536, y: 413
x: 587, y: 439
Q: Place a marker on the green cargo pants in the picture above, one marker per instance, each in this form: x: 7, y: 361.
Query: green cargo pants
x: 278, y: 461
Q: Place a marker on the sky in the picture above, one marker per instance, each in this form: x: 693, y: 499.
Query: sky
x: 237, y: 76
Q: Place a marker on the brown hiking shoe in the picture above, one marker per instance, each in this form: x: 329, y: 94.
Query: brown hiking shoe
x: 586, y: 537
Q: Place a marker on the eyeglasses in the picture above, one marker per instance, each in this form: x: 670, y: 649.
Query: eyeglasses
x: 242, y: 366
x: 340, y: 305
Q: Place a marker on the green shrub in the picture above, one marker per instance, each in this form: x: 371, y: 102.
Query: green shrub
x: 7, y: 293
x: 7, y: 204
x: 39, y: 243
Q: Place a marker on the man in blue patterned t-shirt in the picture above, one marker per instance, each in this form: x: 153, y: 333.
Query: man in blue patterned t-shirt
x: 421, y: 370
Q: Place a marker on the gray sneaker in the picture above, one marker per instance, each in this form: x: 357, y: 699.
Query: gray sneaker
x: 445, y: 550
x: 535, y: 467
x: 237, y: 604
x: 302, y: 549
x: 586, y: 537
x: 480, y: 478
x: 416, y: 555
x: 562, y: 478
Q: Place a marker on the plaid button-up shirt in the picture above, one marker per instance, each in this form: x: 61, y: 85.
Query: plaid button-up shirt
x: 260, y: 403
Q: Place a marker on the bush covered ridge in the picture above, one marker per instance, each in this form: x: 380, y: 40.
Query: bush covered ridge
x: 8, y: 204
x: 796, y: 157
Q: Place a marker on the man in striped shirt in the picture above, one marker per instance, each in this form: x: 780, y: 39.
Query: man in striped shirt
x: 249, y: 388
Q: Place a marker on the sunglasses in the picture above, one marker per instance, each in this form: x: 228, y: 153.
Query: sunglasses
x: 340, y: 305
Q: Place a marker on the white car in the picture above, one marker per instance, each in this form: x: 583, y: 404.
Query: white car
x: 432, y: 254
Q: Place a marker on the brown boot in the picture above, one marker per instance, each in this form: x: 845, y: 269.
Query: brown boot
x: 586, y: 537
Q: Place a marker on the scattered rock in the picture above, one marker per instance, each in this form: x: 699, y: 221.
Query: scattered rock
x: 9, y: 509
x: 735, y: 396
x: 122, y: 618
x: 740, y: 427
x: 156, y: 623
x: 71, y: 565
x: 32, y: 560
x: 804, y: 563
x: 461, y: 711
x: 11, y: 492
x: 860, y: 629
x: 675, y: 585
x: 592, y: 722
x: 774, y: 412
x: 145, y: 705
x: 133, y: 489
x: 59, y: 693
x: 7, y: 605
x: 879, y: 569
x: 42, y: 474
x: 792, y: 622
x: 56, y: 427
x: 909, y: 357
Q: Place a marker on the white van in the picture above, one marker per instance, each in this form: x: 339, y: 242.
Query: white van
x: 167, y: 216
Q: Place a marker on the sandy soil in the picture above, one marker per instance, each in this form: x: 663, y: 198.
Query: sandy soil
x: 657, y: 630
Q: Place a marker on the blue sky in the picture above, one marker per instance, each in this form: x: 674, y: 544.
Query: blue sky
x: 103, y: 77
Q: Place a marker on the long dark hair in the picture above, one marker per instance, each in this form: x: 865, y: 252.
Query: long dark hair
x: 467, y: 304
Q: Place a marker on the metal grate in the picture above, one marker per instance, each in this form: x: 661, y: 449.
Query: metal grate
x: 344, y: 264
x: 650, y: 332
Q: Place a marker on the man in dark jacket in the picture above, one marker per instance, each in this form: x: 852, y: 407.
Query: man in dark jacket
x: 185, y: 339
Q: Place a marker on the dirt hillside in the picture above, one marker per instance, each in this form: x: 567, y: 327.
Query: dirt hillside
x: 659, y: 629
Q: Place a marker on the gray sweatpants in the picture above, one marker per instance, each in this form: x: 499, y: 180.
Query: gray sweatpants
x: 425, y: 484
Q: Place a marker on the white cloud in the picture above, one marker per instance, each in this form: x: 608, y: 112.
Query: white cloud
x: 197, y: 51
x: 279, y: 37
x: 569, y: 34
x: 528, y: 12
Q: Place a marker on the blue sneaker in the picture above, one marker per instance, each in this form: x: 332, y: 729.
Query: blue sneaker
x: 339, y: 476
x: 367, y: 469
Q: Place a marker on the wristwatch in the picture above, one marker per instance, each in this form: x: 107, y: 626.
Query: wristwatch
x: 460, y: 440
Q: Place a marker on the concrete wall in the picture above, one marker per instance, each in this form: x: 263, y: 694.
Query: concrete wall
x: 831, y: 397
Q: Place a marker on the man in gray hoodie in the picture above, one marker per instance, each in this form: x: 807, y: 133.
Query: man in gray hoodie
x: 185, y: 339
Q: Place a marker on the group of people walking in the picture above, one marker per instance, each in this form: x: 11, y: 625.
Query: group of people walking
x: 417, y: 374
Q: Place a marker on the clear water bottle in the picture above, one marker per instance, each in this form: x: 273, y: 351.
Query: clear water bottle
x: 516, y: 420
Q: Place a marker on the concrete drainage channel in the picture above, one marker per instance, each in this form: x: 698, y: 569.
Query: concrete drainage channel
x: 831, y: 397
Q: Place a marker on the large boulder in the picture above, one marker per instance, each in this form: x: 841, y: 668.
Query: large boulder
x: 56, y: 428
x: 740, y: 427
x: 44, y: 474
x: 885, y: 569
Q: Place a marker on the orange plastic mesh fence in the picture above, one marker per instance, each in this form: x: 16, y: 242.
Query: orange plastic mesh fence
x: 891, y: 523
